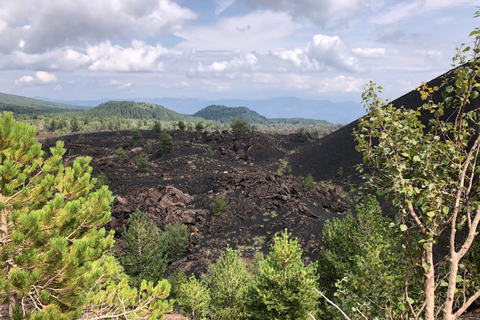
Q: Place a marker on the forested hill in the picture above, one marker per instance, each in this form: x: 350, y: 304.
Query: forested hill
x: 24, y: 105
x: 137, y: 110
x: 226, y: 115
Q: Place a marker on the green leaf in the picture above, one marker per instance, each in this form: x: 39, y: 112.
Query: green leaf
x: 446, y: 210
x: 403, y: 227
x: 426, y: 266
x: 431, y: 214
x: 410, y: 300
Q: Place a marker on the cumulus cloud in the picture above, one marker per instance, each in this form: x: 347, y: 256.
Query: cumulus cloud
x: 41, y: 77
x: 341, y: 84
x: 321, y: 54
x: 44, y: 25
x: 138, y: 57
x: 232, y: 69
x: 325, y: 13
x: 119, y: 84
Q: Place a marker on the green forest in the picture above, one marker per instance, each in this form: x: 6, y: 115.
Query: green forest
x: 416, y: 258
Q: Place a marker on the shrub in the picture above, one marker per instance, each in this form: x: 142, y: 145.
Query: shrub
x: 136, y: 136
x: 287, y: 170
x: 209, y: 153
x: 157, y: 128
x: 181, y: 126
x: 308, y: 182
x: 199, y: 127
x: 175, y: 240
x: 142, y: 162
x: 120, y: 155
x: 102, y: 180
x: 194, y: 299
x: 219, y: 206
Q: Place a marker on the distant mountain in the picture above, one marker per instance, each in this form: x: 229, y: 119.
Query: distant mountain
x: 282, y: 107
x: 137, y: 110
x: 24, y: 105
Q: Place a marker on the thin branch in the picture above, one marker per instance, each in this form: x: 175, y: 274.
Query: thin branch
x: 332, y: 303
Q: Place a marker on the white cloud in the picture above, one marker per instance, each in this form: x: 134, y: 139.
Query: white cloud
x: 222, y: 5
x: 41, y: 77
x: 431, y: 54
x: 139, y: 57
x: 232, y: 69
x: 46, y: 77
x: 182, y: 84
x: 24, y: 80
x: 370, y: 52
x: 118, y: 84
x: 323, y: 53
x: 50, y: 24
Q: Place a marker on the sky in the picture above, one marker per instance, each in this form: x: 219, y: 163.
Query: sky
x: 227, y: 49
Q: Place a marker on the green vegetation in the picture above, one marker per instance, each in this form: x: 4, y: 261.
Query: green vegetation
x: 175, y: 240
x: 120, y: 155
x: 157, y: 128
x: 309, y: 182
x: 209, y: 152
x: 240, y: 128
x: 199, y: 126
x: 147, y: 258
x: 219, y: 206
x: 142, y: 162
x: 136, y: 136
x: 51, y: 225
x: 181, y: 126
x: 166, y: 143
x: 429, y: 174
x: 102, y: 180
x: 284, y: 287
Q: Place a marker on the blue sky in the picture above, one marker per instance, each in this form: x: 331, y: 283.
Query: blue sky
x: 225, y: 49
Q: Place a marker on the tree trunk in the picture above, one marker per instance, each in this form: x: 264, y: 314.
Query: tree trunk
x: 430, y: 285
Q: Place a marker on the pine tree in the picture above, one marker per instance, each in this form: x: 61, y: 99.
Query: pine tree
x: 52, y: 240
x: 166, y: 143
x: 147, y: 258
x: 284, y: 288
x: 227, y: 280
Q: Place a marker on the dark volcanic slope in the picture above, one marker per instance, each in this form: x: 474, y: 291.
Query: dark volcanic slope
x: 323, y: 158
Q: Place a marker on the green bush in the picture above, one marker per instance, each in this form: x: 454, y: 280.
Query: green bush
x: 157, y: 128
x: 194, y: 299
x: 308, y: 182
x: 284, y: 288
x: 209, y: 153
x: 102, y: 180
x: 199, y: 127
x: 219, y: 206
x: 287, y: 170
x: 136, y: 136
x: 120, y: 155
x: 181, y: 126
x: 142, y: 162
x: 175, y: 240
x: 146, y: 258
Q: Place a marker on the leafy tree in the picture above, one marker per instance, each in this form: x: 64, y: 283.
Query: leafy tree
x: 219, y: 206
x: 284, y: 289
x: 146, y: 259
x: 429, y: 172
x: 120, y: 155
x: 309, y: 182
x: 52, y: 240
x: 175, y: 240
x: 199, y: 126
x: 142, y: 162
x: 74, y: 127
x: 166, y: 142
x: 176, y: 280
x: 194, y: 299
x: 157, y: 128
x: 181, y: 126
x: 240, y: 128
x: 136, y: 136
x: 227, y: 280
